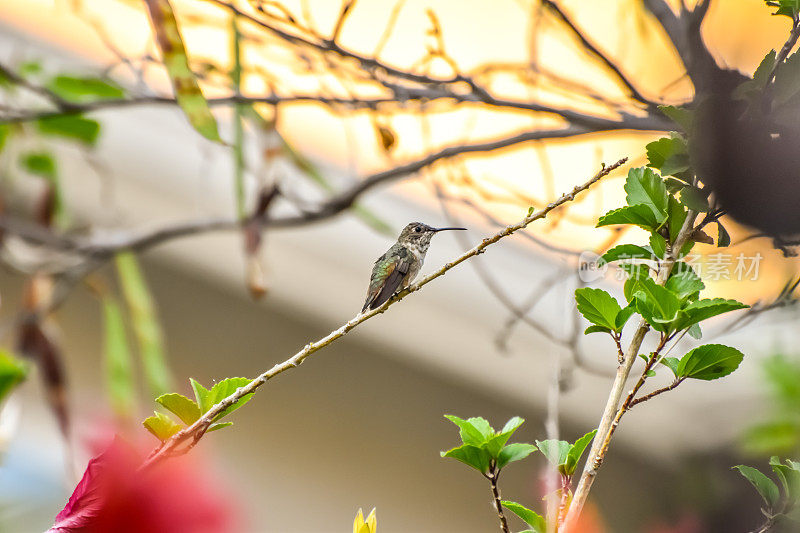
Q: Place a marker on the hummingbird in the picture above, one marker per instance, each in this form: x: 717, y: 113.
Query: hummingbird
x: 397, y: 268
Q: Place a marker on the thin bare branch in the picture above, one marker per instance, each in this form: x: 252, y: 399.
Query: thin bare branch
x: 197, y: 429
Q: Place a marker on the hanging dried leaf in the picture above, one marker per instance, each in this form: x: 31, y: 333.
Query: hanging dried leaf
x: 187, y: 91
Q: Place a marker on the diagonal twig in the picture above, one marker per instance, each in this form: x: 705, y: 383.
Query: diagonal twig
x: 195, y: 431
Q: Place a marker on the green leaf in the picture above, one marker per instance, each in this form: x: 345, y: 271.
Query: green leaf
x: 658, y: 244
x: 658, y: 305
x: 187, y: 91
x: 623, y: 316
x: 695, y: 332
x: 645, y: 187
x: 624, y: 252
x: 5, y: 133
x: 710, y: 361
x: 639, y: 215
x: 84, y: 90
x: 222, y: 390
x: 476, y: 457
x: 704, y: 309
x: 218, y: 425
x: 469, y: 433
x: 597, y: 306
x: 482, y: 425
x: 162, y: 426
x: 145, y: 323
x: 788, y: 476
x: 39, y: 164
x: 576, y: 451
x: 679, y: 115
x: 596, y: 329
x: 677, y: 216
x: 120, y: 381
x: 777, y: 436
x: 74, y: 127
x: 496, y: 442
x: 184, y: 408
x: 556, y: 451
x: 13, y: 371
x: 514, y: 452
x: 685, y: 284
x: 671, y: 363
x: 669, y: 155
x: 723, y: 237
x: 764, y: 485
x: 533, y: 519
x: 694, y: 199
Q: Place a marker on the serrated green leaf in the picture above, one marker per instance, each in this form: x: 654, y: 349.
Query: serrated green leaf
x: 83, y: 90
x: 710, y: 361
x: 685, y: 284
x: 74, y: 127
x: 13, y: 371
x: 639, y: 215
x: 514, y: 452
x: 161, y: 426
x: 669, y: 155
x: 700, y: 310
x: 576, y: 451
x: 200, y: 394
x: 469, y: 433
x: 624, y: 252
x: 187, y: 91
x: 181, y: 406
x: 145, y: 322
x: 597, y: 306
x: 470, y: 455
x: 658, y: 244
x: 658, y: 305
x: 533, y: 519
x: 764, y: 485
x: 118, y: 360
x: 788, y: 476
x: 645, y: 187
x: 556, y: 451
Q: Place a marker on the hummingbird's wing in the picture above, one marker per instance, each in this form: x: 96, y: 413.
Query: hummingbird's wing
x: 387, y: 277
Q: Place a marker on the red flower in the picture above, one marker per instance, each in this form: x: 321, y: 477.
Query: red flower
x: 172, y: 496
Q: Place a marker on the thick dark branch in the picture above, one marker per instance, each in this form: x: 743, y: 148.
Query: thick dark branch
x: 331, y: 207
x: 684, y: 32
x: 592, y: 49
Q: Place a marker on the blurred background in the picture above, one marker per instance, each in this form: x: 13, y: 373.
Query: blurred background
x: 332, y: 105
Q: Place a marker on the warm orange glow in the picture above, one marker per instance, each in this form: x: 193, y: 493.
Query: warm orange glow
x: 474, y: 34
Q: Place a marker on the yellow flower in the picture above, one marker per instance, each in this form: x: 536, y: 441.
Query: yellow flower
x: 360, y: 526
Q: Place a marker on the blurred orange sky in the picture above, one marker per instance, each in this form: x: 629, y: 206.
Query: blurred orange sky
x: 475, y: 33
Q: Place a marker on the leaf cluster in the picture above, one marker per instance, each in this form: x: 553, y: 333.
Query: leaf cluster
x: 189, y: 411
x: 779, y: 501
x: 485, y: 449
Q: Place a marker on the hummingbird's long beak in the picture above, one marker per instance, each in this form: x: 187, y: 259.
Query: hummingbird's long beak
x: 445, y: 229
